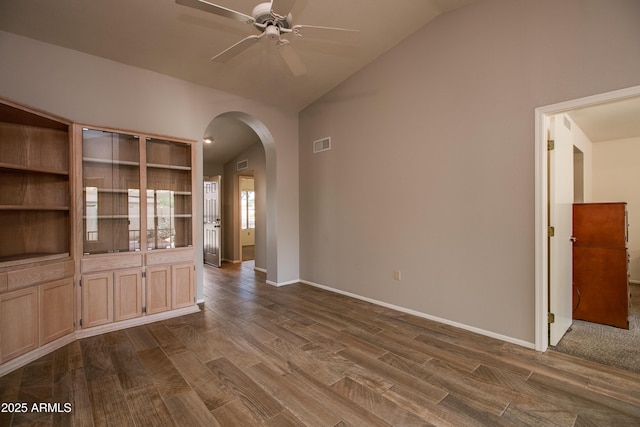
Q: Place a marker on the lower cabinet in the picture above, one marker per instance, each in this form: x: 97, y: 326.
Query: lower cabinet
x: 56, y: 310
x: 97, y: 299
x: 118, y: 295
x: 169, y: 287
x: 111, y: 296
x: 183, y: 286
x: 158, y: 289
x: 18, y: 323
x: 127, y: 294
x: 35, y: 316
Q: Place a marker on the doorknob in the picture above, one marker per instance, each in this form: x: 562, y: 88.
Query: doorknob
x: 573, y: 239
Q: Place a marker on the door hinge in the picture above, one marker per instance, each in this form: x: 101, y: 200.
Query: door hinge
x: 552, y: 231
x: 551, y: 318
x: 144, y: 309
x: 144, y: 274
x: 81, y: 323
x: 551, y: 145
x: 80, y: 282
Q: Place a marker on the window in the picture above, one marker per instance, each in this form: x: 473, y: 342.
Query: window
x: 248, y: 208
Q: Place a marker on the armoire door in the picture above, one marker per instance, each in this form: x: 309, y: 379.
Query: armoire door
x: 600, y: 280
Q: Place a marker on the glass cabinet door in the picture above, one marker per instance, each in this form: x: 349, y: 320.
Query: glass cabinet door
x: 111, y: 186
x: 169, y: 215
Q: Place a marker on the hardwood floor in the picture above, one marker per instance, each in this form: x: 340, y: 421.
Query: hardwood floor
x: 297, y: 355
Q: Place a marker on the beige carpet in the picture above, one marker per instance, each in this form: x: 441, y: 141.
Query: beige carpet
x: 606, y: 344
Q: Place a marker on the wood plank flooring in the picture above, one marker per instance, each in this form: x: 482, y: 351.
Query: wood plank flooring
x: 300, y: 356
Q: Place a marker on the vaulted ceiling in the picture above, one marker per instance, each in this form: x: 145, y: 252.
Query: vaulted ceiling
x: 172, y: 39
x: 178, y: 41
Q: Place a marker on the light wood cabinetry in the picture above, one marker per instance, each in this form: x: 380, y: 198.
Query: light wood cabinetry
x: 55, y: 310
x: 97, y: 299
x: 111, y: 296
x: 183, y: 285
x: 137, y: 222
x: 158, y: 289
x: 127, y: 296
x: 170, y: 287
x: 36, y: 227
x: 99, y: 208
x: 35, y: 201
x: 111, y: 191
x: 18, y: 323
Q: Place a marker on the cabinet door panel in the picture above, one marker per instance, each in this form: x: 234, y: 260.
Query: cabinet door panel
x: 56, y: 310
x: 128, y: 294
x: 158, y: 289
x: 18, y: 323
x: 97, y: 299
x: 183, y: 285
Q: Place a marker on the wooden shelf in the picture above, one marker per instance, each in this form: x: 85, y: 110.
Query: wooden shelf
x: 22, y: 168
x: 14, y: 260
x: 35, y: 185
x: 99, y: 217
x: 110, y: 161
x: 33, y: 208
x: 112, y: 190
x: 172, y: 167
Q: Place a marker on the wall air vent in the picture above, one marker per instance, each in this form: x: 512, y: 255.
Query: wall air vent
x: 323, y: 144
x: 242, y: 165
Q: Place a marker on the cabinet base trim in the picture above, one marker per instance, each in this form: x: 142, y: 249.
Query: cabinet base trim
x: 29, y: 357
x: 33, y: 355
x: 116, y: 326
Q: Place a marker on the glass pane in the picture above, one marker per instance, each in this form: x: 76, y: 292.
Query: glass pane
x: 164, y: 213
x: 169, y: 213
x: 91, y: 210
x: 111, y: 180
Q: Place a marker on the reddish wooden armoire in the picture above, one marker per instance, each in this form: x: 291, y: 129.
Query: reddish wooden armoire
x: 600, y: 264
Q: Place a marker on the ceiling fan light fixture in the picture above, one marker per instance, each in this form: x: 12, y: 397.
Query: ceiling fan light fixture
x: 273, y: 19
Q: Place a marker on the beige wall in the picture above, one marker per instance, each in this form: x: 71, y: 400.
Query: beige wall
x: 616, y: 178
x: 432, y: 166
x: 92, y: 90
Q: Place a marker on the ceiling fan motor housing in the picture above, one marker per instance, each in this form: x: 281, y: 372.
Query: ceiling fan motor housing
x: 263, y: 16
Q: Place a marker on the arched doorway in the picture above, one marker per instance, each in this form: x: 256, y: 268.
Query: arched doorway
x: 237, y: 144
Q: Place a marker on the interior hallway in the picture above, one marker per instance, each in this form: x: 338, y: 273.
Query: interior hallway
x: 297, y: 355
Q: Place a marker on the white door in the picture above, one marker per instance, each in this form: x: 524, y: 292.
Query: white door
x: 212, y: 223
x: 561, y: 198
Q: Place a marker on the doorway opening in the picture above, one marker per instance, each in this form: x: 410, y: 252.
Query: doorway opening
x: 549, y: 293
x: 247, y: 217
x: 241, y: 150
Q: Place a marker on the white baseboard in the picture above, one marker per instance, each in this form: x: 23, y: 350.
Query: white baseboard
x: 261, y: 270
x: 33, y: 355
x: 505, y: 338
x: 278, y: 284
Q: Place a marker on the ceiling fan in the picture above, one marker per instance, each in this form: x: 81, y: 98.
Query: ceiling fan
x: 273, y: 20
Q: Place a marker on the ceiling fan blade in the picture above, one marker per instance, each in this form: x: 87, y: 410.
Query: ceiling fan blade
x: 330, y: 33
x: 236, y: 49
x: 292, y: 59
x: 217, y: 10
x: 282, y: 7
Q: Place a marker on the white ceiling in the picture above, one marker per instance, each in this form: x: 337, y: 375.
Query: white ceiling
x: 175, y: 40
x: 610, y: 121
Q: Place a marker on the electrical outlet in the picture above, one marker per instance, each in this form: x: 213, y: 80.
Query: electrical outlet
x: 397, y: 275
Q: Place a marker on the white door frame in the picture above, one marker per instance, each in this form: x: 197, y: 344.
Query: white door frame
x: 541, y: 219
